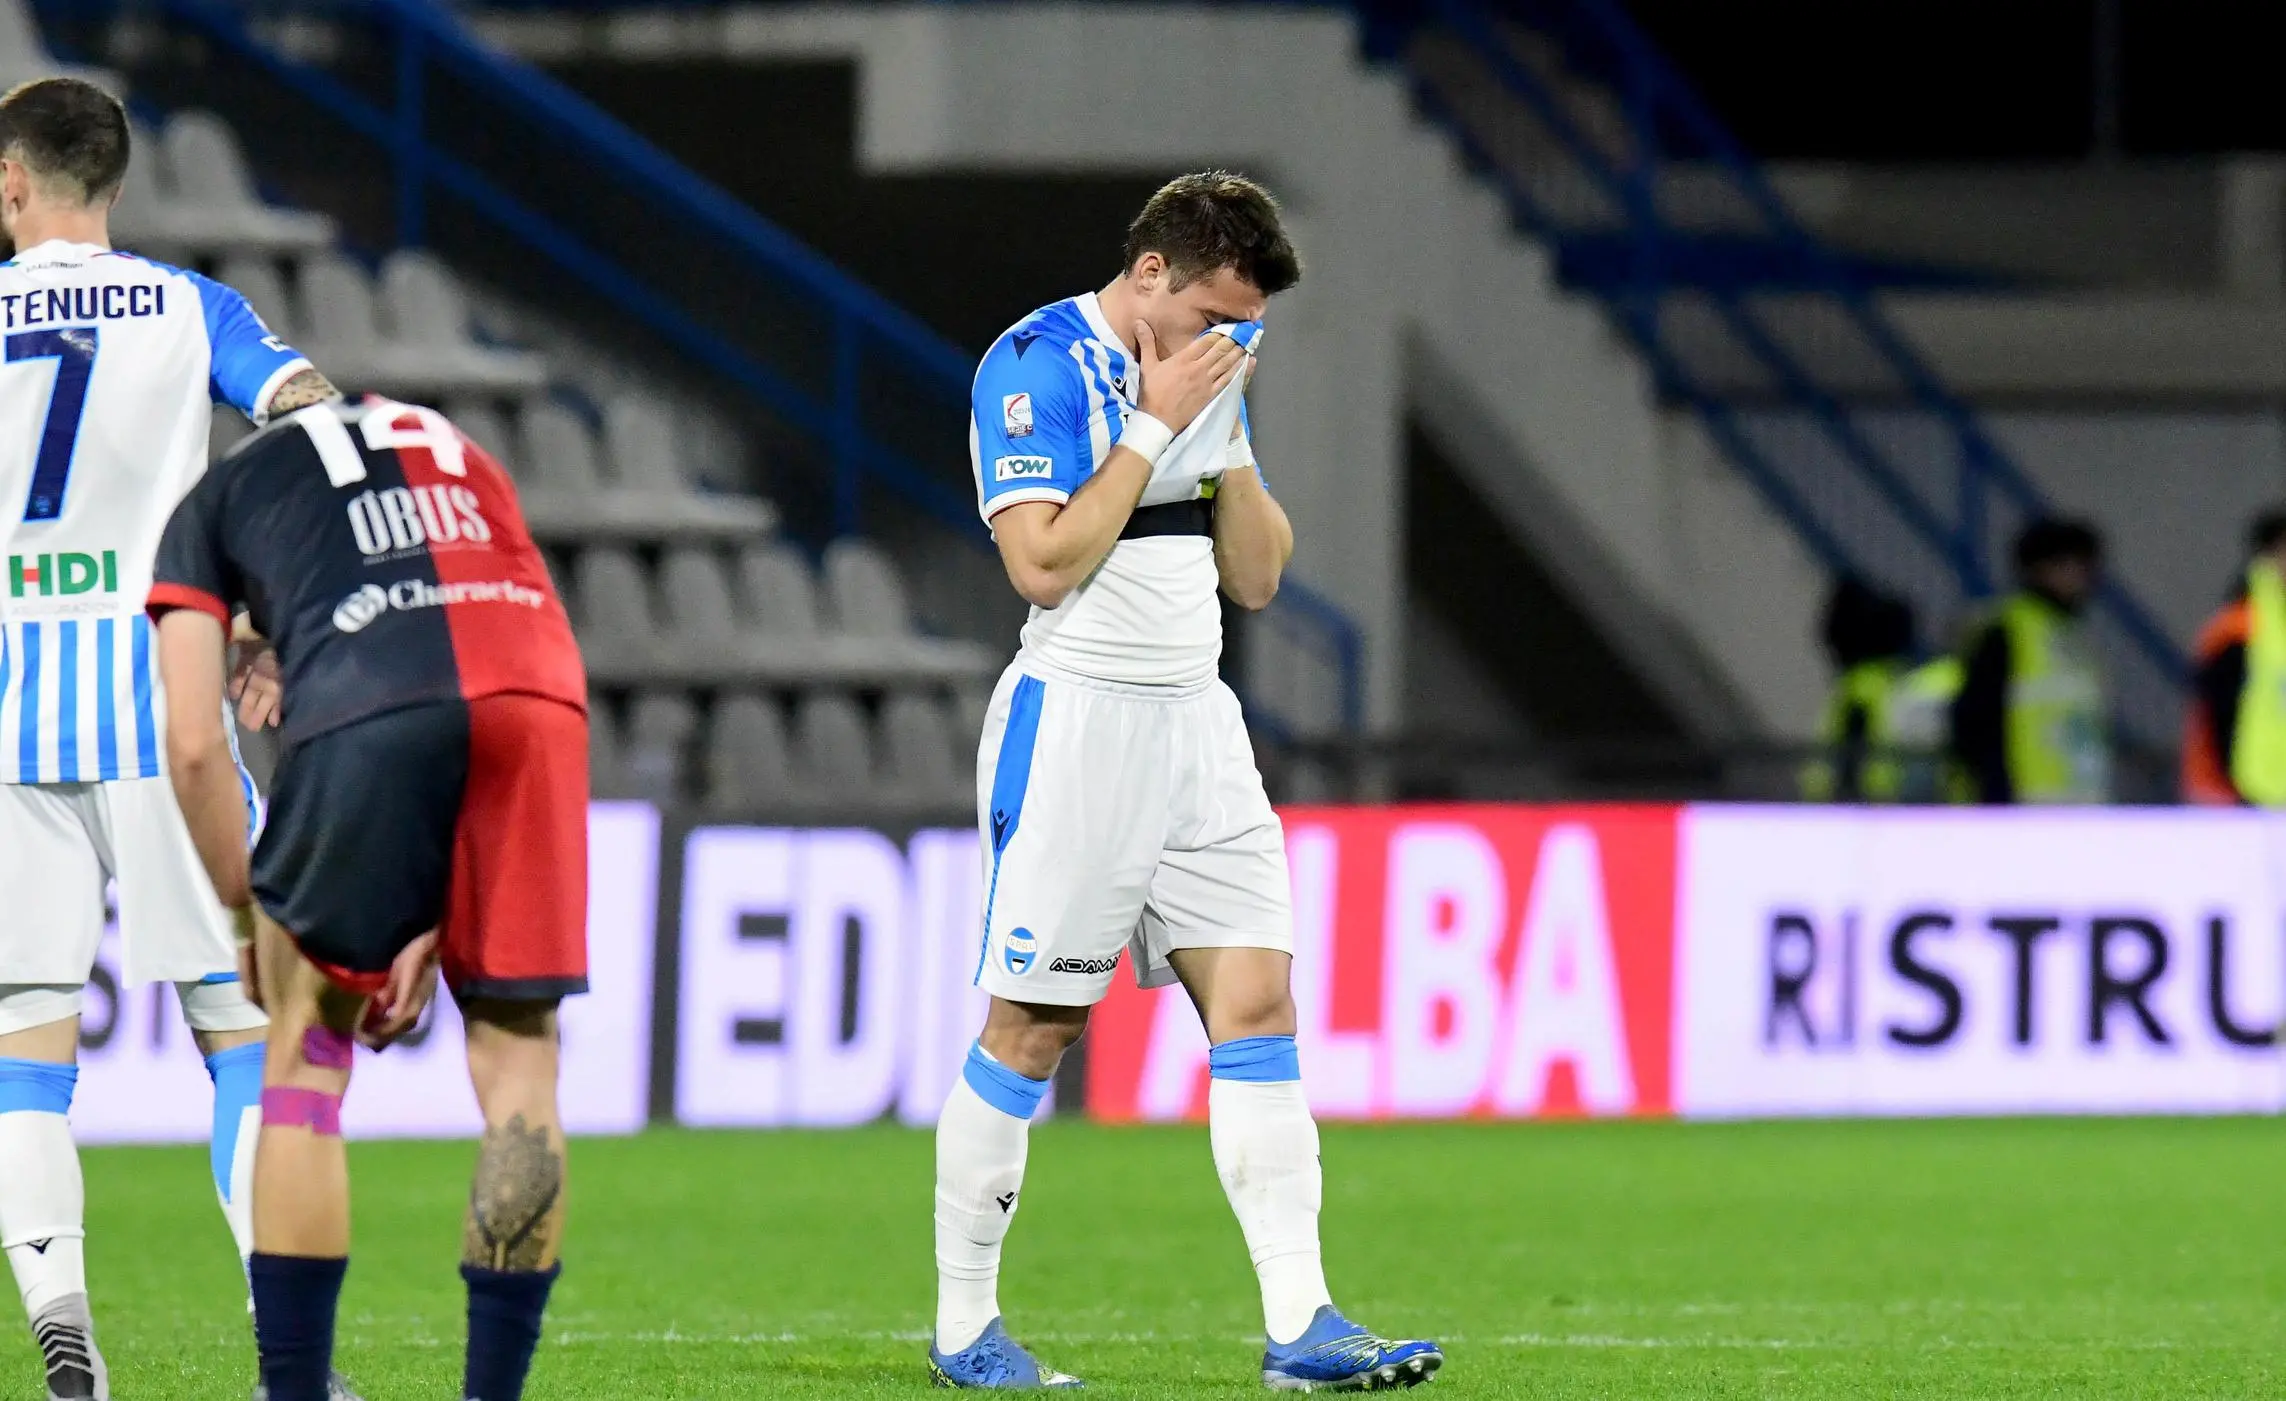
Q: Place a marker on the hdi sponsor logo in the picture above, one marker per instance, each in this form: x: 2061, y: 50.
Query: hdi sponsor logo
x: 62, y: 575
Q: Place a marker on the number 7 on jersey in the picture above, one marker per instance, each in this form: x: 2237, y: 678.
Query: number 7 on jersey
x: 73, y: 350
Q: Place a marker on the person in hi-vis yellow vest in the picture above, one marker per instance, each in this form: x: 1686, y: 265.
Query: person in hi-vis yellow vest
x: 1882, y: 737
x: 2234, y: 743
x: 2030, y: 724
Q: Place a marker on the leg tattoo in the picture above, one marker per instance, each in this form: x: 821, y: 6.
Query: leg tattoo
x: 519, y: 1181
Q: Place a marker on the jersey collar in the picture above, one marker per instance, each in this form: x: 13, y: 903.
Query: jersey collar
x: 1091, y: 311
x: 57, y: 250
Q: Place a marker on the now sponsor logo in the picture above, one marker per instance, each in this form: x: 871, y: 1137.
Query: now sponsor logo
x: 62, y: 575
x: 358, y: 611
x: 398, y: 520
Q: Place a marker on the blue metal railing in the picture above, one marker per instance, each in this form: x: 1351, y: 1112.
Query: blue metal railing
x: 414, y: 50
x: 1663, y: 118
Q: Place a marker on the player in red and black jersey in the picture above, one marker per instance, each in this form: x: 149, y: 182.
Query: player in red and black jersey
x: 430, y: 806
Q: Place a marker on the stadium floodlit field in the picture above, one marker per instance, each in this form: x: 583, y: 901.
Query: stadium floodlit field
x: 1968, y: 1259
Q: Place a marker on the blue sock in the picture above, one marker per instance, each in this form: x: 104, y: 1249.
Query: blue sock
x: 1257, y: 1059
x: 504, y: 1308
x: 294, y: 1302
x: 237, y: 1076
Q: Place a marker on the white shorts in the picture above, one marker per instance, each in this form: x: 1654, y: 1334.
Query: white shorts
x: 1115, y: 818
x: 60, y: 843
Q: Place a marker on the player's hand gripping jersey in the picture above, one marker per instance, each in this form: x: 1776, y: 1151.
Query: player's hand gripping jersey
x: 111, y: 366
x: 384, y: 556
x: 1050, y: 402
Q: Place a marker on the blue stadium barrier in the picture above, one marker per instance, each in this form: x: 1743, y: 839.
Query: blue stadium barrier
x: 1642, y: 267
x: 875, y: 351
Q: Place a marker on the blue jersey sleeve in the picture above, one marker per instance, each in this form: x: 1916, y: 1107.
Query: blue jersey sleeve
x: 1030, y: 422
x: 248, y: 363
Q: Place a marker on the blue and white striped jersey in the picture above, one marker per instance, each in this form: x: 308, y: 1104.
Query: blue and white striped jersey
x: 1049, y: 404
x: 111, y: 365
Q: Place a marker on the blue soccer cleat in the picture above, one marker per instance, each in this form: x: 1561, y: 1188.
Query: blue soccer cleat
x: 1334, y: 1354
x: 995, y: 1361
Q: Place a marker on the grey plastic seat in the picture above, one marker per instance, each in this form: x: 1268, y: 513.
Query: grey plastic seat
x: 863, y: 592
x: 146, y: 189
x: 694, y: 597
x: 257, y: 280
x: 749, y: 765
x: 917, y: 749
x: 658, y: 743
x: 779, y: 593
x: 206, y: 163
x: 421, y: 301
x: 834, y: 753
x: 605, y: 773
x: 337, y: 303
x: 483, y: 425
x: 639, y: 444
x: 557, y: 450
x: 226, y: 427
x: 614, y: 601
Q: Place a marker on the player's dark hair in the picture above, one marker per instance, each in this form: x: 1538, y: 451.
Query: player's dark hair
x: 66, y: 129
x: 2047, y: 541
x: 1212, y: 220
x: 2267, y: 532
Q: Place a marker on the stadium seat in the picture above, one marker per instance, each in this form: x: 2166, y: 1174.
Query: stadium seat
x: 694, y: 598
x: 24, y: 53
x: 146, y: 191
x: 833, y: 750
x: 639, y: 446
x: 226, y: 428
x: 658, y: 738
x: 917, y: 751
x: 614, y: 603
x: 257, y: 280
x: 205, y: 162
x: 863, y: 592
x: 748, y: 763
x: 420, y: 300
x: 558, y: 452
x: 779, y: 593
x: 337, y: 303
x: 605, y: 773
x: 484, y: 426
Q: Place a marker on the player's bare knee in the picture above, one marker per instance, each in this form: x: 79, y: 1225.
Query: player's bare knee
x: 512, y: 1057
x: 1030, y: 1038
x: 1247, y: 1010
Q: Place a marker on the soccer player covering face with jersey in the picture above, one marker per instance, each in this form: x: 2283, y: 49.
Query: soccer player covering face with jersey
x: 1117, y: 795
x: 430, y: 805
x: 111, y: 366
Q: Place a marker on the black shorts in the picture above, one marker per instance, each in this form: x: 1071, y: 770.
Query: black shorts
x: 467, y: 818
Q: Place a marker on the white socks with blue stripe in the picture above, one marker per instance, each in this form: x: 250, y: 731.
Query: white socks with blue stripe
x: 981, y: 1142
x: 237, y: 1076
x: 1266, y: 1152
x: 43, y: 1220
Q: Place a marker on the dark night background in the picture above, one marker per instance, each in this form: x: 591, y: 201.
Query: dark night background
x: 2004, y: 80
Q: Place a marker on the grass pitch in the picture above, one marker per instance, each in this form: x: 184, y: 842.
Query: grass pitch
x: 1975, y: 1259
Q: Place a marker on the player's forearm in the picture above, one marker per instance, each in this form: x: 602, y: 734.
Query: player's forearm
x: 299, y: 392
x: 1253, y: 540
x: 214, y: 807
x: 1053, y: 560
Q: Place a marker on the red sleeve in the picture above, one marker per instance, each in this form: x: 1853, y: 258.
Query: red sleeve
x: 165, y: 598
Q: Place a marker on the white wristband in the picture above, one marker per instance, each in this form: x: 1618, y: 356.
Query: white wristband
x: 1146, y: 436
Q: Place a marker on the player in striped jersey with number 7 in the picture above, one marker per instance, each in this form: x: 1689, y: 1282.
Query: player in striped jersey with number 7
x: 111, y: 363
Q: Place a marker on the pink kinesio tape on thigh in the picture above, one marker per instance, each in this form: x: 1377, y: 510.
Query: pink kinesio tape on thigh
x: 327, y: 1049
x: 284, y: 1107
